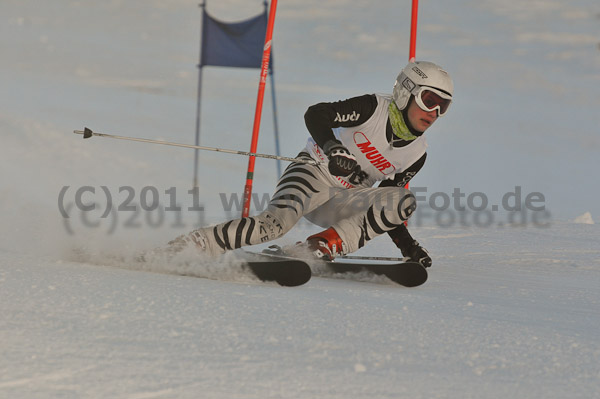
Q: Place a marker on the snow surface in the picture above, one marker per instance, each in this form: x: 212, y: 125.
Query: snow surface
x: 498, y: 318
x: 511, y: 305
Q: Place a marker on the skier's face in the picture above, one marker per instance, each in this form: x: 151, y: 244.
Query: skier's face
x: 419, y: 119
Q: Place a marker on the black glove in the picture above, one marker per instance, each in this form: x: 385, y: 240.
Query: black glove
x: 409, y: 246
x: 341, y: 162
x: 417, y: 253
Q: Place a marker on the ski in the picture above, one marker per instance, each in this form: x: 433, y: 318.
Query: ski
x: 284, y: 270
x: 407, y: 274
x: 402, y: 272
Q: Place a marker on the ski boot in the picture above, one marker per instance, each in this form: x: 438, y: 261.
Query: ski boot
x: 326, y: 245
x: 197, y: 239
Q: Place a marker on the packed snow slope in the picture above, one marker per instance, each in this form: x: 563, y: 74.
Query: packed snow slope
x: 511, y: 305
x: 499, y: 317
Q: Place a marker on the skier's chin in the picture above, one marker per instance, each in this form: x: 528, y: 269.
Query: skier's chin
x: 425, y: 124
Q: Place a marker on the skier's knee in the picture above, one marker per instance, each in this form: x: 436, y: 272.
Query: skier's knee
x: 283, y: 218
x: 407, y: 206
x: 274, y: 225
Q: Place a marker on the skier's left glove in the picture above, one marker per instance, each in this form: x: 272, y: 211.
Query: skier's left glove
x: 417, y: 253
x: 341, y: 161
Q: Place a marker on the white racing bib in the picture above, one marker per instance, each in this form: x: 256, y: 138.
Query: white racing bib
x: 368, y: 143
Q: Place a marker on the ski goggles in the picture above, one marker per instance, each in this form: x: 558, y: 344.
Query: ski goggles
x: 430, y: 99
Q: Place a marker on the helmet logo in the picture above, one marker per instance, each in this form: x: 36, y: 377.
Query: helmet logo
x: 419, y: 72
x: 408, y: 84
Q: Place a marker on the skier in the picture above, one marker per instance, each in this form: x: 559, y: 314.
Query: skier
x: 356, y: 143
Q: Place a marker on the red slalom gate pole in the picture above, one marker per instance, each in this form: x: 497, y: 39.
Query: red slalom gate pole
x: 413, y: 40
x: 259, y: 103
x: 413, y: 30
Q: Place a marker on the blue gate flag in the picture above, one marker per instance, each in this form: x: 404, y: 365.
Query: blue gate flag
x: 237, y: 44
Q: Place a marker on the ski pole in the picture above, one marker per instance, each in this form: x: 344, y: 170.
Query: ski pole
x: 87, y: 133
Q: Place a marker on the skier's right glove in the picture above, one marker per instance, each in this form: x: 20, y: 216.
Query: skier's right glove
x: 417, y: 253
x: 341, y: 161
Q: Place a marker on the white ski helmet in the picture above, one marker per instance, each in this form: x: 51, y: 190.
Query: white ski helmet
x: 418, y: 74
